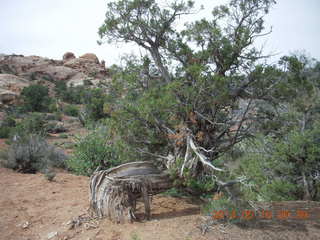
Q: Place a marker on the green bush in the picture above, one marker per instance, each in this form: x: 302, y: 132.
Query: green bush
x: 91, y: 152
x: 36, y: 98
x: 71, y: 110
x: 52, y: 107
x: 31, y: 153
x: 3, y: 157
x: 94, y: 100
x: 6, y: 127
x: 224, y: 209
x: 9, y: 122
x: 70, y: 94
x: 5, y: 132
x: 276, y: 167
x: 33, y: 123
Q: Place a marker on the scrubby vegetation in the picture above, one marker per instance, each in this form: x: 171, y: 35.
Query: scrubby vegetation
x: 31, y: 153
x: 36, y: 98
x: 91, y: 152
x: 202, y: 103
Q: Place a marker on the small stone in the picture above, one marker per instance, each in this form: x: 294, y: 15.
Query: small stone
x: 68, y: 223
x: 25, y: 225
x: 52, y: 235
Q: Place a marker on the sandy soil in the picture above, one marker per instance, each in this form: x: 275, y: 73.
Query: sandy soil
x: 33, y: 208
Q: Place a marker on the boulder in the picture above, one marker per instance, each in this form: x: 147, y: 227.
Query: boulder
x: 85, y: 70
x: 91, y: 57
x: 79, y: 79
x: 87, y: 67
x: 7, y: 97
x: 52, y: 73
x: 10, y: 87
x: 7, y: 80
x: 19, y: 64
x: 67, y: 56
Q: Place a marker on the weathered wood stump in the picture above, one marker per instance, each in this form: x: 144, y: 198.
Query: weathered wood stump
x: 114, y: 192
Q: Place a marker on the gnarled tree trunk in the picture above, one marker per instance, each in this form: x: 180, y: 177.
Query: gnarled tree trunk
x: 114, y: 192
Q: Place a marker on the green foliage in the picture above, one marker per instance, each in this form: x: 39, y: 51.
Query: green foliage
x: 232, y: 210
x: 277, y: 168
x: 33, y: 123
x: 31, y: 153
x: 5, y: 131
x: 7, y: 126
x: 53, y: 107
x: 94, y: 100
x: 189, y: 79
x: 63, y: 135
x: 205, y: 83
x: 3, y: 157
x: 92, y: 151
x: 36, y: 98
x: 71, y: 110
x: 174, y: 192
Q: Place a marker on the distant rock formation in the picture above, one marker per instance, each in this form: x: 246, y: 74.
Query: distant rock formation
x: 68, y: 55
x: 18, y: 71
x: 91, y: 56
x: 10, y: 88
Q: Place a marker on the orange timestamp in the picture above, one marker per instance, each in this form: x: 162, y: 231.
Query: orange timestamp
x: 283, y: 214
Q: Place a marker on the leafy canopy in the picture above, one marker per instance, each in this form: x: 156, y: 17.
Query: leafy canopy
x: 193, y: 95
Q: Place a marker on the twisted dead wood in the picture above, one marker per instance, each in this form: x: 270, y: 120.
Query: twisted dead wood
x: 114, y: 192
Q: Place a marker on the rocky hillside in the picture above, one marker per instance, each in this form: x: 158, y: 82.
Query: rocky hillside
x: 18, y: 71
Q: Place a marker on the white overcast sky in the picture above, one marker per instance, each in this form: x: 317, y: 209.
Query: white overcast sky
x: 49, y: 28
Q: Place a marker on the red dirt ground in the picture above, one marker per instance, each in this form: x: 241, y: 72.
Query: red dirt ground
x: 31, y: 208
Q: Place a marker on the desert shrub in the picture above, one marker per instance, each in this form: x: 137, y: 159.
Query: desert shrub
x: 91, y: 152
x: 94, y: 100
x: 9, y: 122
x: 174, y: 192
x: 34, y: 123
x: 31, y: 153
x: 71, y: 110
x: 3, y: 157
x: 225, y: 209
x: 284, y: 169
x: 6, y: 127
x: 70, y: 94
x: 52, y: 107
x: 36, y: 98
x: 5, y: 131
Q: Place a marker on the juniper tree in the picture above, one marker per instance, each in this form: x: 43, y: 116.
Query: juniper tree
x: 193, y: 96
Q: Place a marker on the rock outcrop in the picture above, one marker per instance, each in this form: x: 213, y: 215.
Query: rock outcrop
x: 39, y: 68
x: 91, y: 56
x: 10, y: 88
x: 68, y: 55
x: 18, y: 71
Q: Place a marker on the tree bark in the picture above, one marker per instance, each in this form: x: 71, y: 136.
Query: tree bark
x: 114, y: 192
x: 157, y: 58
x: 307, y: 195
